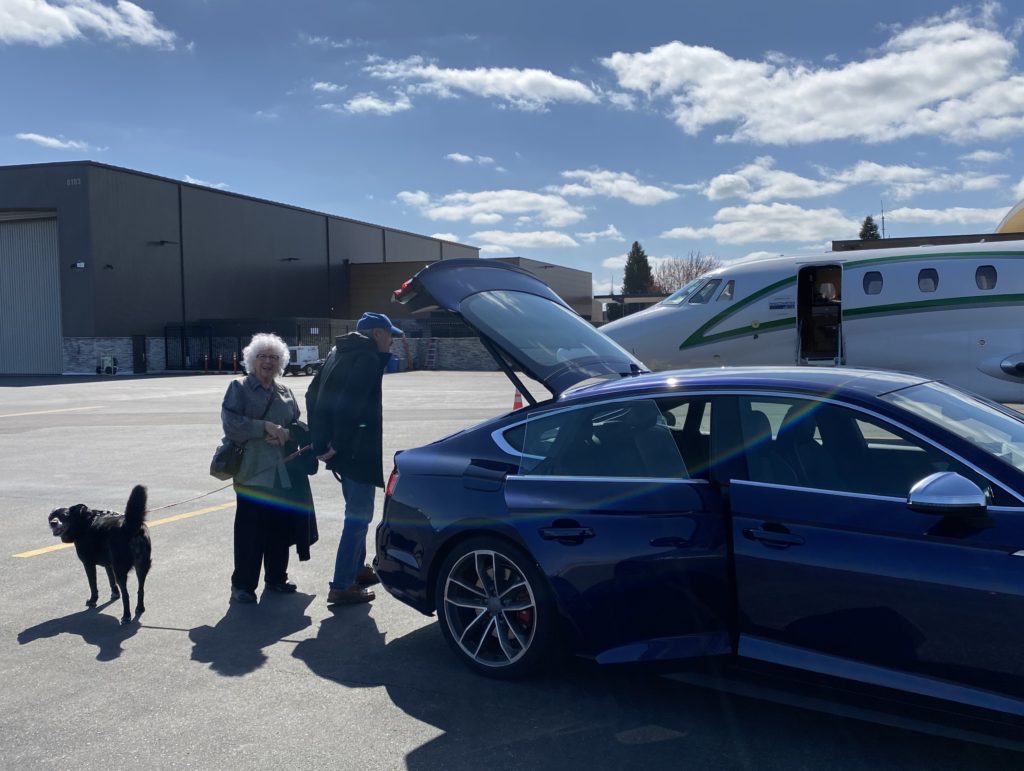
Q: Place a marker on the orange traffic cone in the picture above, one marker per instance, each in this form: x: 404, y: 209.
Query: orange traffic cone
x: 517, y: 402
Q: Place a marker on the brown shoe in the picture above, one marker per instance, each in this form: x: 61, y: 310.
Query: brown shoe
x: 350, y: 596
x: 367, y: 576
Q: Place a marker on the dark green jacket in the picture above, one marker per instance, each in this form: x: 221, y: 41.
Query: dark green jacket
x: 344, y: 407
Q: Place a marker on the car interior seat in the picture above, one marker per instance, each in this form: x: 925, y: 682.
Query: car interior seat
x: 796, y: 444
x: 764, y: 463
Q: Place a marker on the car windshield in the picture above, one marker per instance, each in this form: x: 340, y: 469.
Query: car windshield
x: 984, y: 425
x: 680, y: 295
x: 545, y: 337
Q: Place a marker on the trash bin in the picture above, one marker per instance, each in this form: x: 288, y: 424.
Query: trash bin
x: 393, y: 363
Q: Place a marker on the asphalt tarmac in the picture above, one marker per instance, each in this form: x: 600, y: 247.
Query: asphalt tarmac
x: 203, y: 684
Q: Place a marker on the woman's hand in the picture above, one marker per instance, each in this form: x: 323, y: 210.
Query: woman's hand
x: 275, y: 434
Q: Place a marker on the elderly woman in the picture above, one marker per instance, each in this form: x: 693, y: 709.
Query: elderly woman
x: 255, y: 413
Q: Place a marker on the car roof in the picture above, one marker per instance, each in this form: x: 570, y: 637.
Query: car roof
x: 833, y: 380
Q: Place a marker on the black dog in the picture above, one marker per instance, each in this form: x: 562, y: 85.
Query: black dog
x: 118, y: 542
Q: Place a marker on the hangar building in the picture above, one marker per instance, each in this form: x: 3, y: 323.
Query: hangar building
x: 98, y: 259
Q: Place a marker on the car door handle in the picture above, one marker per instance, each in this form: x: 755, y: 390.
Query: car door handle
x: 566, y: 534
x: 771, y: 537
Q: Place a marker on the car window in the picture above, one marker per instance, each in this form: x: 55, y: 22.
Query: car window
x: 549, y: 340
x: 615, y: 439
x: 820, y: 445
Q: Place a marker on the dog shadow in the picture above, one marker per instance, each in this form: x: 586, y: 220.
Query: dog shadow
x: 234, y: 646
x: 104, y: 631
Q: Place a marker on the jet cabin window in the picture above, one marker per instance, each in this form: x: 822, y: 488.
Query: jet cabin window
x: 985, y: 277
x: 872, y: 282
x: 928, y: 280
x: 680, y: 295
x: 726, y: 293
x: 705, y: 293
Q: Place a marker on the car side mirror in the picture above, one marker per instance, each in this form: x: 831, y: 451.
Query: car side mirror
x: 947, y: 494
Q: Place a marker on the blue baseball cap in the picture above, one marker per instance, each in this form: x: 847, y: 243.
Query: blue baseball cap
x: 370, y: 321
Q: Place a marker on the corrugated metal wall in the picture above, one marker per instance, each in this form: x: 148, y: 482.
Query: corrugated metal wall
x: 30, y: 333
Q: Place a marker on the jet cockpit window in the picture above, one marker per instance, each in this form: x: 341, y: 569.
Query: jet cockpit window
x: 727, y: 290
x: 872, y: 282
x: 680, y: 295
x: 928, y: 280
x: 705, y: 293
x: 985, y: 277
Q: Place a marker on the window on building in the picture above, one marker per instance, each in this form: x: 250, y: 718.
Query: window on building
x: 928, y: 280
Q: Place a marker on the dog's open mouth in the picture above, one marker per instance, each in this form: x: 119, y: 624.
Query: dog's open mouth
x: 57, y: 527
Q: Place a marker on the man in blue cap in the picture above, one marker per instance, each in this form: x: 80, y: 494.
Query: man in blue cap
x: 343, y: 404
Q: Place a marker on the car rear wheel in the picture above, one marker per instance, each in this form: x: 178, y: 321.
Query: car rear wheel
x: 310, y: 370
x: 493, y: 608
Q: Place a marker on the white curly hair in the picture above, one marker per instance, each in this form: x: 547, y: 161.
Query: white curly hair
x: 265, y: 342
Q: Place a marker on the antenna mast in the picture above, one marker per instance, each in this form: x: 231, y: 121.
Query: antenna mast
x: 882, y: 204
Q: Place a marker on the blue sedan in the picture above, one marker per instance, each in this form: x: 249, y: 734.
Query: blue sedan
x: 863, y: 525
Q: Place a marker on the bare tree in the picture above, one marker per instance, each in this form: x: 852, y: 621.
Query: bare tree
x: 674, y: 272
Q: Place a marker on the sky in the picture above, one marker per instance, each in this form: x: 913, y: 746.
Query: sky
x: 559, y: 131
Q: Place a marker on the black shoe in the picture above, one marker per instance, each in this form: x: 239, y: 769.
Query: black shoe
x: 284, y: 587
x: 242, y: 595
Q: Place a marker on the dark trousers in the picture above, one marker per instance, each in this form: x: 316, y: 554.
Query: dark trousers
x: 262, y: 535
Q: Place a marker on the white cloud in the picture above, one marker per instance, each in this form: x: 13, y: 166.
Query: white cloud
x: 371, y: 103
x: 267, y: 114
x: 325, y: 86
x: 483, y: 160
x: 1018, y: 191
x: 527, y: 89
x: 445, y: 236
x: 957, y: 215
x: 490, y: 206
x: 985, y: 156
x: 215, y: 185
x: 776, y: 223
x: 905, y: 181
x: 613, y: 184
x: 760, y: 182
x: 948, y: 76
x: 322, y: 41
x: 45, y: 23
x: 537, y: 239
x: 53, y: 143
x: 611, y: 233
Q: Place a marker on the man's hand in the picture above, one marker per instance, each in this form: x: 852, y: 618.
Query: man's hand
x: 327, y: 455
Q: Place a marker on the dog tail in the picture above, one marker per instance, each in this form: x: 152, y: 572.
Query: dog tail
x: 135, y: 511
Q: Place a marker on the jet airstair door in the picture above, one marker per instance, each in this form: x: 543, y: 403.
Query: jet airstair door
x: 819, y: 310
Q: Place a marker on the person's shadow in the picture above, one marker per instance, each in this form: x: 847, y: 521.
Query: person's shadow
x: 102, y: 630
x: 235, y: 645
x: 347, y: 648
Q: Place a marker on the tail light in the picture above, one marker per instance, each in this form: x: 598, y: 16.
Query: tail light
x: 392, y: 481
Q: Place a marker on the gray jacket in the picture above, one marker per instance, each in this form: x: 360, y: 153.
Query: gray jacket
x: 244, y: 402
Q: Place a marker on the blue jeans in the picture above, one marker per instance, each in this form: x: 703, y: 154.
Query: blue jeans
x: 352, y: 547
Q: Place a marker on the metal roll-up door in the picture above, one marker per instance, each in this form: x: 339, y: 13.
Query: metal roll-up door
x: 30, y: 331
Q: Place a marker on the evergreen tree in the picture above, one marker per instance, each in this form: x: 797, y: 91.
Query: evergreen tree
x: 869, y: 230
x: 638, y: 277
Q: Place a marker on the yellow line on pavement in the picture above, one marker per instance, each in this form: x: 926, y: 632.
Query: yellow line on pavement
x: 154, y: 523
x: 47, y: 412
